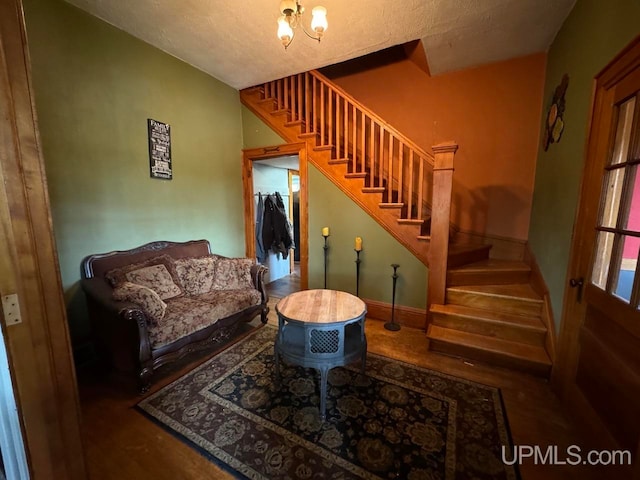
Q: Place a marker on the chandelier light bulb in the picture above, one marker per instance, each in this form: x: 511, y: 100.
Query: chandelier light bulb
x: 319, y: 20
x: 285, y: 32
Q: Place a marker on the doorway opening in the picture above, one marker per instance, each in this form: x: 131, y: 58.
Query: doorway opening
x: 277, y: 175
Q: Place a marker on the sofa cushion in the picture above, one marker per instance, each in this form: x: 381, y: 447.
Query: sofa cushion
x: 186, y: 315
x: 196, y: 273
x: 157, y: 278
x: 233, y: 274
x: 154, y: 278
x: 148, y: 300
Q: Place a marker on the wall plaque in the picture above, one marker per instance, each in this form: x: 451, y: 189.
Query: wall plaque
x: 159, y: 149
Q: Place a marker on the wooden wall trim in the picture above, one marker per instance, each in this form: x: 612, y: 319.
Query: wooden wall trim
x: 407, y: 316
x: 39, y: 348
x: 540, y: 286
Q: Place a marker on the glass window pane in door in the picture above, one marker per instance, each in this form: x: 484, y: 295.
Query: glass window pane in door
x: 623, y: 132
x: 625, y: 269
x: 613, y: 192
x: 602, y: 259
x: 632, y: 221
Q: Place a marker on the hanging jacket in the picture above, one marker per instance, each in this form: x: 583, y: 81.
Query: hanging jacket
x: 275, y: 229
x: 261, y: 253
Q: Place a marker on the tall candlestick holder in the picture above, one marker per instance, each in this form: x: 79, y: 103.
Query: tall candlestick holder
x: 394, y: 327
x: 357, y: 272
x: 325, y: 248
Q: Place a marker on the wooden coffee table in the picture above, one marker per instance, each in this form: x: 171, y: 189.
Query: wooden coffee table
x: 320, y: 329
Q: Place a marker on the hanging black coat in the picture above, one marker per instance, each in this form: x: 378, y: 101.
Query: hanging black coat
x: 277, y: 234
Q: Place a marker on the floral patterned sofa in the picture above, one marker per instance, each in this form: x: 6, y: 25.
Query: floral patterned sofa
x: 154, y: 304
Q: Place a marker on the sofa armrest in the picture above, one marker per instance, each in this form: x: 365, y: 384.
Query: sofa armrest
x: 257, y: 275
x: 101, y: 294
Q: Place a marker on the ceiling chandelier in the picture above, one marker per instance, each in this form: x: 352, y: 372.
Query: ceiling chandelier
x: 291, y: 18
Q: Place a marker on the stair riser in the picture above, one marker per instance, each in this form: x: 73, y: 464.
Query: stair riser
x: 504, y: 331
x: 494, y: 303
x: 459, y: 259
x: 487, y: 278
x: 492, y: 358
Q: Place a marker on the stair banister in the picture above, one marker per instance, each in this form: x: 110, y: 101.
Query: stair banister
x: 440, y: 221
x: 388, y: 128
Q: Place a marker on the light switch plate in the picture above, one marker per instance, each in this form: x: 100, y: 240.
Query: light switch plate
x: 11, y: 308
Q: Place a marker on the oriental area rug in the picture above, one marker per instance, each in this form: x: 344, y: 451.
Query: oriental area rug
x: 398, y: 421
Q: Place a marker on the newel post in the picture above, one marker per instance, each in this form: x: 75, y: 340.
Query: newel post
x: 440, y: 222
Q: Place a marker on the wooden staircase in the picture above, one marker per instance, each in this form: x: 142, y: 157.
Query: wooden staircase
x: 491, y: 314
x: 479, y: 308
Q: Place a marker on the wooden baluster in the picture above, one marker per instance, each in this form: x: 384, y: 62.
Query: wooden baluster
x: 354, y: 144
x: 372, y: 152
x: 330, y: 131
x: 364, y: 140
x: 400, y: 169
x: 315, y: 105
x: 381, y: 157
x: 280, y: 95
x: 420, y: 187
x: 300, y: 99
x: 410, y: 193
x: 307, y: 104
x: 286, y: 93
x: 322, y: 113
x: 337, y: 132
x: 346, y: 128
x: 440, y: 222
x: 292, y: 93
x: 390, y: 170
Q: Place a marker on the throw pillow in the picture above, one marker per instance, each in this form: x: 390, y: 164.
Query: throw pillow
x: 196, y: 273
x: 119, y: 275
x: 157, y: 278
x: 148, y: 300
x: 233, y: 274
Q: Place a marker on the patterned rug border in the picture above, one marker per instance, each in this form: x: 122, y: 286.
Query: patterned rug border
x: 232, y: 471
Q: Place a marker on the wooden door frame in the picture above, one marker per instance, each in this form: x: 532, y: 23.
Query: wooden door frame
x: 38, y: 348
x: 255, y: 154
x: 596, y: 154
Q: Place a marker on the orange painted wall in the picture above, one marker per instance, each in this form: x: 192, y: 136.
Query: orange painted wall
x: 493, y: 112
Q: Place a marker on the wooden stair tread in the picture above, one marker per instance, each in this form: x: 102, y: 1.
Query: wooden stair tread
x: 374, y: 190
x: 339, y: 161
x: 390, y: 205
x: 356, y: 175
x: 523, y: 321
x: 530, y: 353
x: 410, y: 221
x: 519, y: 291
x: 492, y: 264
x: 424, y: 238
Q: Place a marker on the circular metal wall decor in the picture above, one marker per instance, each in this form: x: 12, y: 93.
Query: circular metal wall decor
x: 554, y: 125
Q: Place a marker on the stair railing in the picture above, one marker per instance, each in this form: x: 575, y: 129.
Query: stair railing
x: 389, y: 162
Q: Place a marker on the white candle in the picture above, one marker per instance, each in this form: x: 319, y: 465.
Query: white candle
x: 358, y: 244
x: 325, y: 231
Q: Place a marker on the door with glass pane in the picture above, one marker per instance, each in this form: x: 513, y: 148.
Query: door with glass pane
x: 599, y: 365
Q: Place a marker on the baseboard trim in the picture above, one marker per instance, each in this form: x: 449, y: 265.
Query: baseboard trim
x: 540, y: 286
x: 407, y: 316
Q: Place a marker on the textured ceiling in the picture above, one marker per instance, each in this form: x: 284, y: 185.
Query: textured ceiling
x: 236, y: 41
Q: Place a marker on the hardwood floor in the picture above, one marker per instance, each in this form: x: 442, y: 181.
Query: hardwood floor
x: 120, y: 443
x: 285, y: 285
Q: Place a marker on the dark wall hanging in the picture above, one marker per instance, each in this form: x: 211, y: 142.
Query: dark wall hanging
x: 554, y: 124
x: 159, y: 149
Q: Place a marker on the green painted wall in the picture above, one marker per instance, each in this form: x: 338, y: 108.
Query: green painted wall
x: 256, y: 133
x: 329, y: 207
x: 592, y: 35
x: 95, y: 86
